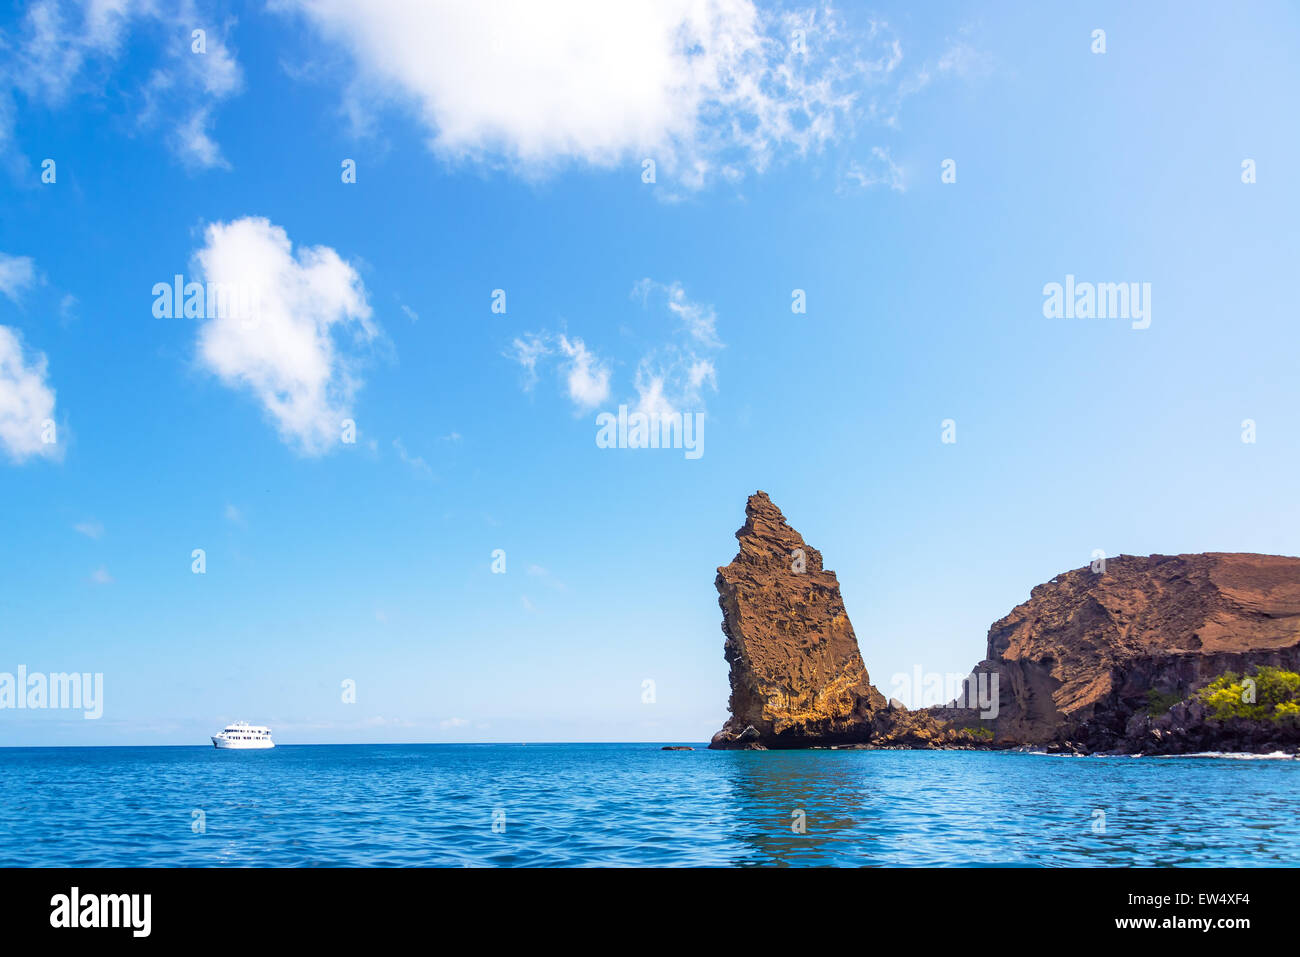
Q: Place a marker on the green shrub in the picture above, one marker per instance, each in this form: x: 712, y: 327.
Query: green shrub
x: 1266, y: 694
x: 1277, y: 687
x: 1288, y: 712
x: 1158, y: 703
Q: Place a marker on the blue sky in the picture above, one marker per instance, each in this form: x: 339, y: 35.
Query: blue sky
x: 504, y: 150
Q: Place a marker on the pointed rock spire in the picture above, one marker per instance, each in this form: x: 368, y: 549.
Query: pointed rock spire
x: 797, y: 677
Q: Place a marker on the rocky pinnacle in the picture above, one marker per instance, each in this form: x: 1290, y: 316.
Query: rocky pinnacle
x: 797, y: 677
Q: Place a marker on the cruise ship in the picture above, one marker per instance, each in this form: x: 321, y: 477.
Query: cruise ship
x: 242, y: 736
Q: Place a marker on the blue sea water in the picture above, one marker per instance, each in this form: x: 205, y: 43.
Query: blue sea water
x: 634, y: 804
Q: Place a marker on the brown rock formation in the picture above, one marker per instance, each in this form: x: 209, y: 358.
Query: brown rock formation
x: 1075, y: 662
x: 797, y: 677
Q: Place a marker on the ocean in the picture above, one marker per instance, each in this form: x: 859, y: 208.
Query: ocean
x: 543, y: 805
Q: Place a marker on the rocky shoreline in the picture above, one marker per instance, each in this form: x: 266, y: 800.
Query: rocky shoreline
x: 1115, y: 659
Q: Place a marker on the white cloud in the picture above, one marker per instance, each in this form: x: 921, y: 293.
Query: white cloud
x: 528, y: 351
x: 288, y: 355
x: 448, y: 723
x: 700, y: 372
x: 16, y: 274
x: 698, y: 319
x: 53, y: 51
x: 100, y: 576
x: 60, y: 49
x: 879, y: 170
x: 673, y: 381
x: 26, y: 401
x: 233, y: 514
x: 701, y: 86
x: 416, y: 462
x: 673, y: 377
x: 959, y: 60
x: 963, y: 60
x: 585, y: 375
x: 670, y: 376
x: 193, y: 144
x: 191, y: 84
x: 91, y: 529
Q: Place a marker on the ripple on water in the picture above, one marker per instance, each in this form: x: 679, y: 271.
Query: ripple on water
x: 634, y: 805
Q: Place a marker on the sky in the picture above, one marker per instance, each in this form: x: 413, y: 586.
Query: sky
x: 369, y: 504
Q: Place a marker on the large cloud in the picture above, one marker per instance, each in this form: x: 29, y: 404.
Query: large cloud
x: 285, y: 351
x: 26, y: 401
x: 698, y: 85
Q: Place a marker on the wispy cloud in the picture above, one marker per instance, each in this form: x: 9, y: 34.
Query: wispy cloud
x: 879, y: 170
x: 675, y: 375
x: 91, y: 529
x: 585, y: 375
x: 61, y: 49
x: 17, y: 273
x: 528, y: 351
x: 698, y: 319
x: 26, y: 401
x: 542, y: 574
x: 959, y: 60
x: 416, y: 462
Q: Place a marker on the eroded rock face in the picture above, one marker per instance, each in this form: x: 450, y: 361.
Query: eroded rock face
x: 797, y: 677
x: 1075, y: 662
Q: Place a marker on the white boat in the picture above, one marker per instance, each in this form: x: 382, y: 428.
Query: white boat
x: 242, y: 736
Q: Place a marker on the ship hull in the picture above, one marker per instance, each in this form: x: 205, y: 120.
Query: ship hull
x: 221, y: 744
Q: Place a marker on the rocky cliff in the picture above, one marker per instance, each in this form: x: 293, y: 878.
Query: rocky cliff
x: 797, y: 677
x: 1077, y: 666
x: 1077, y: 662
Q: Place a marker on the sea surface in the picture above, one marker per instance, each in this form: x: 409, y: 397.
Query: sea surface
x: 546, y: 805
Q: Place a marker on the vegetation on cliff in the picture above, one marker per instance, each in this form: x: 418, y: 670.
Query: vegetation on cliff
x: 1265, y: 694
